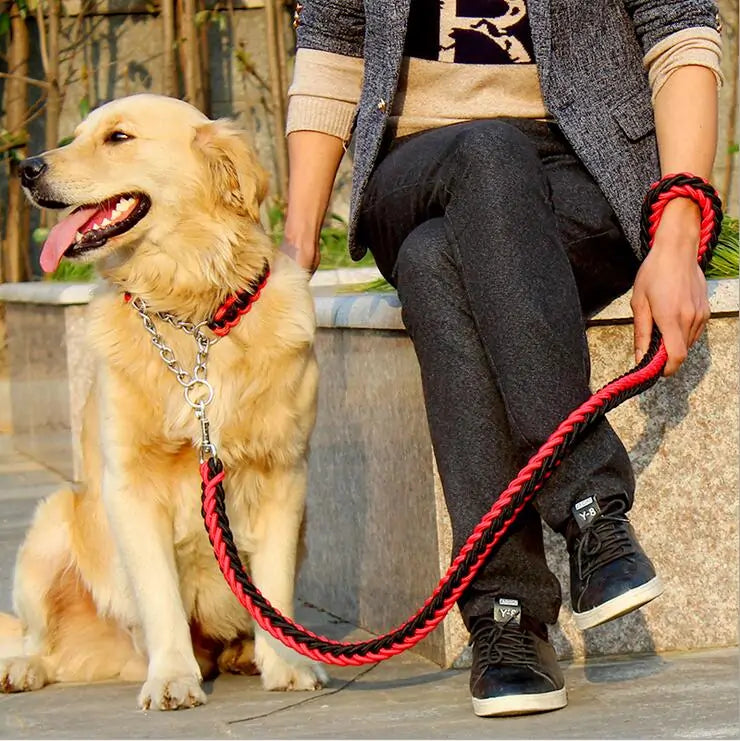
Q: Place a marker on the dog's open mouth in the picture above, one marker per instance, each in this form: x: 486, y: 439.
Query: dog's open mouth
x: 88, y: 228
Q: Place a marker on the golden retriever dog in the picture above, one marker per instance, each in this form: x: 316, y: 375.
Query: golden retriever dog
x: 118, y: 580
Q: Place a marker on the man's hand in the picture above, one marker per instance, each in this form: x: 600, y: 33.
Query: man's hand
x: 670, y: 288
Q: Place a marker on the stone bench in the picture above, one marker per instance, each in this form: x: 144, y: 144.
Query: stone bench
x: 378, y: 534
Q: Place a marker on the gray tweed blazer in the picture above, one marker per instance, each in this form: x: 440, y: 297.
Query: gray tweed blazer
x: 589, y: 57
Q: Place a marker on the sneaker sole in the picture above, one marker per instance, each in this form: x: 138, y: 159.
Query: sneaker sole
x: 539, y: 702
x: 620, y: 605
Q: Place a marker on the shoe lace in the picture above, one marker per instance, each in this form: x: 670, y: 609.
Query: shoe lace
x: 605, y: 540
x: 503, y: 642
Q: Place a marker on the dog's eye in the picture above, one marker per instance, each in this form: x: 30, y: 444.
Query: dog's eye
x: 117, y: 136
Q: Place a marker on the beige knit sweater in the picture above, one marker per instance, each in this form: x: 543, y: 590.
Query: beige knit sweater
x: 326, y: 87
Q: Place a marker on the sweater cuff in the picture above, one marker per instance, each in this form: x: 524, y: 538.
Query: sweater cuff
x: 324, y: 93
x: 312, y: 113
x: 701, y: 46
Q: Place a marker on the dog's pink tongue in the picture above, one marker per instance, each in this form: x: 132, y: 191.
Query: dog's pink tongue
x: 62, y: 236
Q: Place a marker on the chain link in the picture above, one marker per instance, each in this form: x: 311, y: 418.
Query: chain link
x: 197, y: 390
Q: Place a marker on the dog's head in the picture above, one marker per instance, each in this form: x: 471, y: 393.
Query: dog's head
x: 143, y: 170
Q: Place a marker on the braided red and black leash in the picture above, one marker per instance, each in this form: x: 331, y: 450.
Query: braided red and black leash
x: 508, y: 505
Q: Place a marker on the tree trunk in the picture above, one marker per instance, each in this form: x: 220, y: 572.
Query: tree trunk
x: 205, y: 61
x: 167, y: 10
x: 190, y: 56
x: 277, y: 96
x: 729, y: 105
x: 16, y: 243
x: 54, y: 97
x: 49, y: 48
x: 285, y: 19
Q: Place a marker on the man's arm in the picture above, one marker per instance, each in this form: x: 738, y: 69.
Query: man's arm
x: 323, y: 96
x: 670, y: 289
x: 314, y: 158
x: 681, y: 46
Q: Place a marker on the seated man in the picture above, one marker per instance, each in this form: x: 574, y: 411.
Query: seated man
x: 502, y: 153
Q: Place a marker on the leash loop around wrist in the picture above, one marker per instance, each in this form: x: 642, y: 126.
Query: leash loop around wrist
x: 696, y: 189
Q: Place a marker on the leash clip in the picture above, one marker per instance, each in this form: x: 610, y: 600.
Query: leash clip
x: 207, y: 448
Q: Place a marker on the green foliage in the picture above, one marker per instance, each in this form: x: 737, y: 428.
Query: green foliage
x: 724, y: 262
x: 202, y: 17
x: 24, y: 8
x: 84, y: 107
x: 216, y: 15
x: 332, y: 240
x: 379, y: 285
x: 39, y: 235
x: 12, y: 143
x: 333, y: 246
x: 276, y: 222
x: 73, y: 272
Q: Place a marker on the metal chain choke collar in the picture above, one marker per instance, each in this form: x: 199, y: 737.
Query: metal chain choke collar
x: 197, y: 390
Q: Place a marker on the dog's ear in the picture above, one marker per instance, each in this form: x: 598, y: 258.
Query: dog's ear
x: 235, y: 173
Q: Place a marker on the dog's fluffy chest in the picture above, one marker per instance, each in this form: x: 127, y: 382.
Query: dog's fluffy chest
x: 257, y: 373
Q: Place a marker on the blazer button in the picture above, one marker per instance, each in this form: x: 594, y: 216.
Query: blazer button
x: 382, y: 105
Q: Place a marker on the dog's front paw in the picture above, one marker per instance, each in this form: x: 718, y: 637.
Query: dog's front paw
x: 22, y: 674
x: 172, y: 693
x: 279, y: 675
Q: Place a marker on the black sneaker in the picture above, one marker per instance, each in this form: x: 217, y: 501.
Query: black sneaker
x: 515, y: 670
x: 610, y: 575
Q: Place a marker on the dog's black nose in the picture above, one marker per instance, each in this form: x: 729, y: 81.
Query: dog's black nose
x: 31, y: 170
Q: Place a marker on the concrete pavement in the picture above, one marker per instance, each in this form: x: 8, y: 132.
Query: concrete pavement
x: 687, y: 695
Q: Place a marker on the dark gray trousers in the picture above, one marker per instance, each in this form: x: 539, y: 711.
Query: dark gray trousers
x: 500, y: 243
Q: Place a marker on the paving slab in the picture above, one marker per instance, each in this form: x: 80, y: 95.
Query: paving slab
x: 681, y: 696
x: 22, y: 483
x: 690, y: 695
